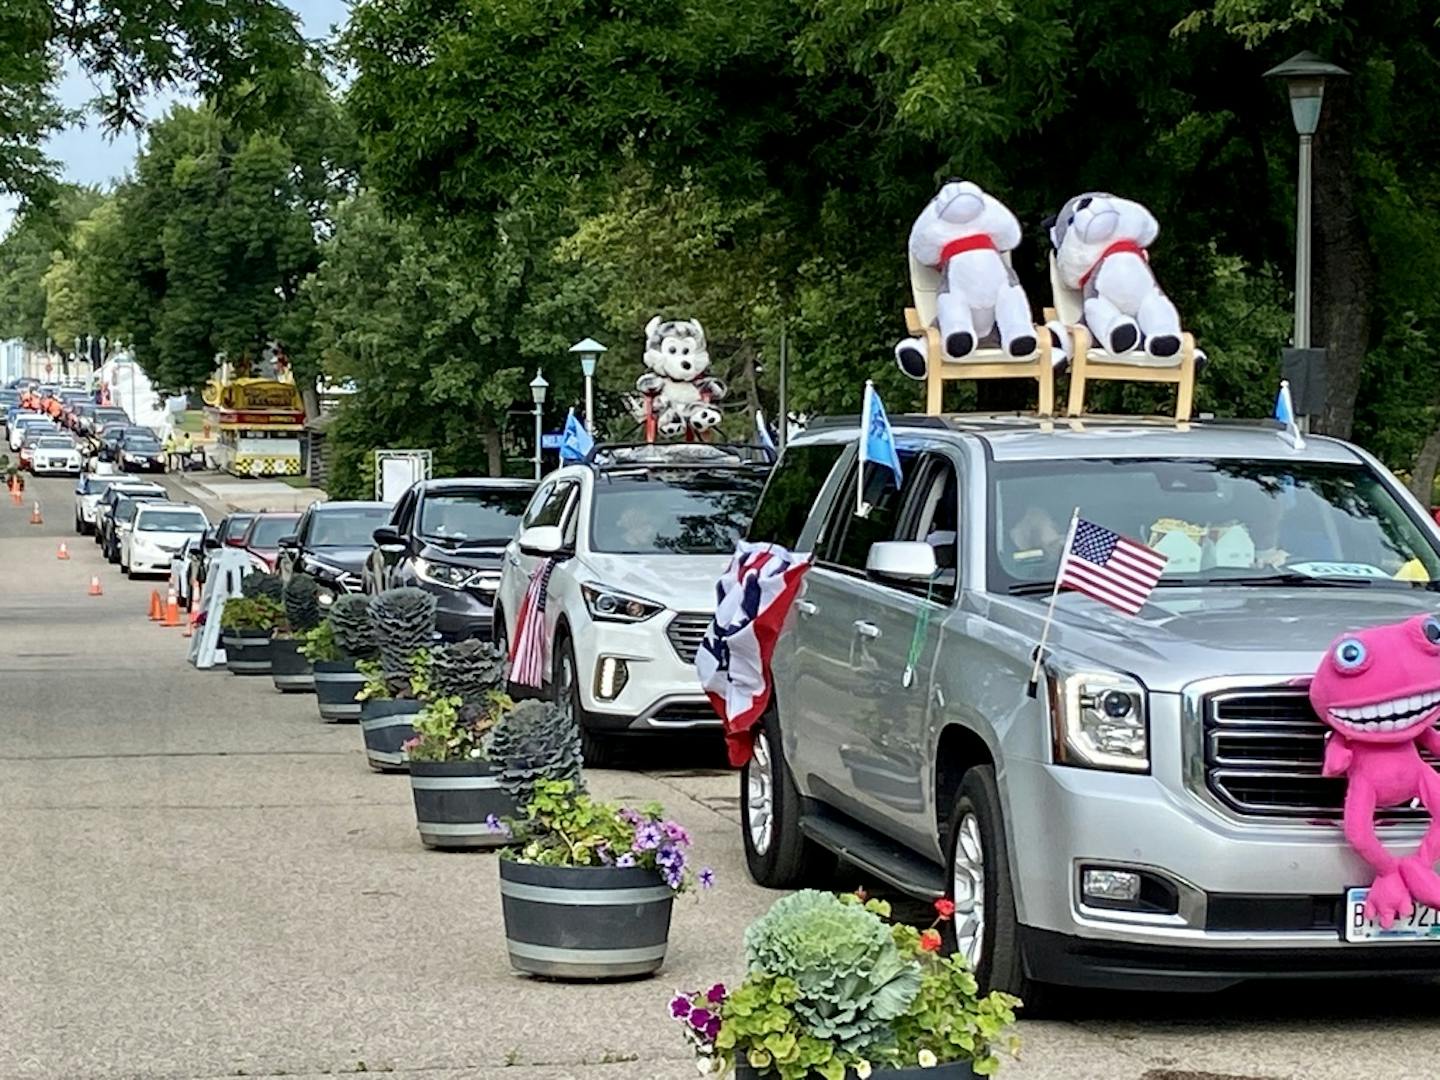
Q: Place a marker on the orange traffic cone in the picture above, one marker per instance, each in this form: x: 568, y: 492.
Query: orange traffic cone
x: 157, y: 610
x: 95, y: 589
x: 64, y: 552
x: 35, y: 518
x: 172, y: 609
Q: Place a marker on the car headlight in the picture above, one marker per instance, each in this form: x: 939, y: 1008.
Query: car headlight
x: 612, y: 605
x: 1099, y: 721
x: 315, y: 568
x: 450, y: 577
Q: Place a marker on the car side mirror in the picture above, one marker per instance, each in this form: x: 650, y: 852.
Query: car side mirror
x: 388, y: 537
x: 288, y: 543
x: 542, y: 541
x: 901, y: 560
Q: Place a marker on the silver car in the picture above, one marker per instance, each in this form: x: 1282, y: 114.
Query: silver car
x: 1149, y: 813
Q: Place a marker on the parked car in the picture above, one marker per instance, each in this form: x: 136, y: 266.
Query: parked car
x: 1154, y: 815
x: 32, y: 436
x: 89, y: 487
x: 331, y: 542
x: 156, y: 535
x: 95, y: 421
x: 56, y: 454
x: 262, y: 537
x: 122, y: 520
x: 138, y: 450
x: 105, y: 508
x: 229, y: 531
x: 448, y: 537
x: 642, y: 534
x: 23, y: 421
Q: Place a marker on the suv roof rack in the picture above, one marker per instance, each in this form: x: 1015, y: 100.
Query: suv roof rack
x: 980, y: 421
x: 733, y: 455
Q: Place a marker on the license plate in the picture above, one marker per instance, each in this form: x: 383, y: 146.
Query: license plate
x: 1422, y: 924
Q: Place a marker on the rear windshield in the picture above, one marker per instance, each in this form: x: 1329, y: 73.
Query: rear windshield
x: 673, y: 511
x: 56, y: 444
x: 266, y: 532
x: 235, y: 526
x: 473, y: 515
x: 172, y: 521
x: 351, y: 527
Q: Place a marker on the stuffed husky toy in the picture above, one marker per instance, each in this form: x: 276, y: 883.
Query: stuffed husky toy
x: 962, y: 232
x: 677, y: 386
x: 1101, y: 251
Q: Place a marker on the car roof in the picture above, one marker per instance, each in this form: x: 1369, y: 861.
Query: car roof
x: 475, y: 483
x: 354, y: 504
x: 171, y: 504
x: 1021, y: 437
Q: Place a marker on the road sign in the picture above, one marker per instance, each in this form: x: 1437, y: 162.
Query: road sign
x: 551, y: 440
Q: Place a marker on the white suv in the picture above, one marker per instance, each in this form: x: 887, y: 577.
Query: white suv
x: 155, y: 538
x: 640, y: 535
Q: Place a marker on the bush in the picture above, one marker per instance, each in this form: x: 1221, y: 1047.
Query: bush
x: 251, y: 613
x: 267, y: 585
x: 350, y: 619
x: 402, y: 622
x: 536, y: 741
x: 302, y: 603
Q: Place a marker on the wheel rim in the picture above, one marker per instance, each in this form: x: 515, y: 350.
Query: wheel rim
x: 760, y: 795
x: 565, y: 685
x: 969, y: 890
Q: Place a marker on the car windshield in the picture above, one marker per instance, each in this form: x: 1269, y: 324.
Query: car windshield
x: 1242, y: 521
x: 141, y: 442
x: 235, y: 526
x: 673, y: 511
x: 126, y: 509
x: 348, y: 527
x: 98, y: 485
x: 472, y: 515
x: 56, y: 444
x: 267, y: 531
x: 186, y: 521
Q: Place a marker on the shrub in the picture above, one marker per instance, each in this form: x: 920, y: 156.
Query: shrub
x: 302, y: 603
x: 267, y: 585
x: 350, y: 618
x: 402, y: 622
x: 318, y: 645
x: 451, y: 729
x: 468, y: 670
x: 536, y: 741
x: 251, y: 613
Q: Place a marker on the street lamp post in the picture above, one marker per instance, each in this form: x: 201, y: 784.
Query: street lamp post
x: 1305, y: 75
x: 538, y: 386
x: 589, y: 351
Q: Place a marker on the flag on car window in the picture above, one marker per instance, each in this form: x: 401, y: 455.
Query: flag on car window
x: 575, y: 442
x: 527, y: 651
x: 1107, y: 567
x: 877, y: 443
x: 1285, y: 413
x: 752, y: 598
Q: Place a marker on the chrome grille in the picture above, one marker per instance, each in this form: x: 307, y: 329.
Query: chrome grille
x: 685, y: 631
x: 1263, y: 753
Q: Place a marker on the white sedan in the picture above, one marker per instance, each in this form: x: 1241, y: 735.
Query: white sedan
x: 55, y: 455
x: 157, y: 534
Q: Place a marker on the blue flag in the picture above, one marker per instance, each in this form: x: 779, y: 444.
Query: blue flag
x: 1284, y: 407
x: 575, y: 441
x: 877, y: 441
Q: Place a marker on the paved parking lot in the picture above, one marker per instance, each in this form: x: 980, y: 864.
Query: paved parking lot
x: 201, y: 879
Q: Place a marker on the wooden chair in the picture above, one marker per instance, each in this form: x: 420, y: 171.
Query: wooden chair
x: 1092, y: 362
x: 983, y: 363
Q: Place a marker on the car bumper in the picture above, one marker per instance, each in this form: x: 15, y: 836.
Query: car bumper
x: 460, y: 614
x: 149, y: 562
x: 67, y: 468
x: 143, y: 466
x: 661, y: 691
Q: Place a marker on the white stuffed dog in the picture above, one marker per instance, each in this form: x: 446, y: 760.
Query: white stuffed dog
x: 1101, y: 250
x: 962, y: 232
x: 677, y: 385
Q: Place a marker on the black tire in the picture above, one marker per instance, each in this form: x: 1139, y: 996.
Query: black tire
x: 598, y: 750
x: 79, y: 525
x: 790, y: 860
x: 1001, y: 966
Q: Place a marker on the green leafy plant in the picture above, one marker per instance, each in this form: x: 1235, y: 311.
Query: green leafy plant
x: 412, y: 683
x: 350, y: 618
x: 402, y: 622
x: 536, y: 741
x: 318, y: 645
x: 468, y: 669
x: 267, y: 585
x: 452, y: 729
x: 302, y: 603
x: 251, y: 613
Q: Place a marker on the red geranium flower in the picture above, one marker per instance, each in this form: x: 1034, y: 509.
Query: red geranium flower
x: 930, y: 940
x: 944, y: 908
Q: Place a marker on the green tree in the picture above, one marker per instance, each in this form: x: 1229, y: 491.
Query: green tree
x: 37, y: 234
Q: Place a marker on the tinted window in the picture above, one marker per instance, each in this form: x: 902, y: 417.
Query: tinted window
x: 235, y: 526
x: 56, y: 444
x: 791, y: 491
x: 673, y: 512
x: 351, y: 527
x: 472, y: 515
x: 849, y: 536
x: 552, y: 510
x: 172, y: 521
x: 266, y: 532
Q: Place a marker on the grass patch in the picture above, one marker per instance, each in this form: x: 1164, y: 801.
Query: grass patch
x: 192, y: 420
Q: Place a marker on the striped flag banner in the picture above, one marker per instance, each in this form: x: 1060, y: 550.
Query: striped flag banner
x: 1110, y: 568
x: 527, y: 651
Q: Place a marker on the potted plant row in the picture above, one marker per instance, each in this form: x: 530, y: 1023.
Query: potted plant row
x: 835, y: 991
x: 402, y: 625
x: 289, y: 668
x: 247, y: 622
x: 333, y: 649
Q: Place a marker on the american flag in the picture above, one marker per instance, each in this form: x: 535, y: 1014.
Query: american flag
x: 527, y: 651
x: 1108, y: 567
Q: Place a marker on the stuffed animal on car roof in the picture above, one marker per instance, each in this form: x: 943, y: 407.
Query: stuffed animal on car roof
x: 1102, y: 251
x: 678, y: 389
x: 964, y: 233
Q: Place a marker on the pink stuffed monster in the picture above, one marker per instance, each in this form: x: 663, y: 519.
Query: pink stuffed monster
x: 1379, y: 690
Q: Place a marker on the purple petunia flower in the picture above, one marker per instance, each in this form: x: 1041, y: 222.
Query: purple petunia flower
x: 625, y: 860
x: 700, y: 1017
x: 674, y: 878
x: 494, y: 824
x: 680, y: 1007
x: 648, y: 837
x: 630, y: 817
x: 712, y: 1029
x: 675, y: 833
x: 669, y: 858
x: 716, y: 994
x: 707, y: 878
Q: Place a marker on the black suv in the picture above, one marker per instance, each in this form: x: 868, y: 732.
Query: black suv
x: 448, y: 537
x: 331, y: 543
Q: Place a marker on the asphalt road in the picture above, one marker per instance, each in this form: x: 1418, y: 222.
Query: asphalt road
x: 199, y: 878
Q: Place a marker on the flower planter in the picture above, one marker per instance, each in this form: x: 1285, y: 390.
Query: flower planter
x: 247, y: 652
x: 336, y: 684
x: 452, y: 801
x: 288, y: 667
x: 386, y: 726
x: 956, y: 1070
x: 583, y: 922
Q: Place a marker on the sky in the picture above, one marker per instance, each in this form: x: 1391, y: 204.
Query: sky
x: 87, y: 156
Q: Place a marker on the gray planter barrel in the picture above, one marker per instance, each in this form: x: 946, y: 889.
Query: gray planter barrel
x: 288, y: 668
x: 336, y: 684
x: 385, y: 726
x: 584, y: 922
x: 452, y: 801
x: 955, y: 1070
x: 247, y: 652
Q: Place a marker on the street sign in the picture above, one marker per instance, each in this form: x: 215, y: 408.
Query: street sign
x: 551, y: 440
x: 396, y: 470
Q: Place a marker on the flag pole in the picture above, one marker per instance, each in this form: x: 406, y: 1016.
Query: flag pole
x: 1050, y: 610
x: 860, y: 467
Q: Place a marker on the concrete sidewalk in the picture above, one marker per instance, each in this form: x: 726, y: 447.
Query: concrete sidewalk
x: 225, y: 493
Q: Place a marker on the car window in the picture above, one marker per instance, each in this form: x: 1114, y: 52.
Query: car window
x: 56, y: 443
x: 672, y: 511
x: 265, y: 532
x: 349, y: 527
x: 400, y: 517
x: 790, y: 493
x: 848, y: 535
x: 235, y: 526
x: 171, y: 521
x: 472, y: 515
x: 552, y: 511
x: 933, y: 515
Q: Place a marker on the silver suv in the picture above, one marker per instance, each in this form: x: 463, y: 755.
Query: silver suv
x: 1151, y: 814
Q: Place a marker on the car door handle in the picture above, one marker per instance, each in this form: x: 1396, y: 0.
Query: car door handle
x: 805, y: 607
x: 866, y: 628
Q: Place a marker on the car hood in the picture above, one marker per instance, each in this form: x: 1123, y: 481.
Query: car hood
x: 680, y: 582
x: 172, y: 541
x: 481, y: 555
x: 346, y: 558
x: 1187, y: 634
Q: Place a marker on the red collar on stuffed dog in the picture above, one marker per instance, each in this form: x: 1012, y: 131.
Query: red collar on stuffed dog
x: 965, y: 243
x: 1114, y: 249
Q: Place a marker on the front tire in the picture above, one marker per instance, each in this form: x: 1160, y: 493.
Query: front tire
x: 777, y: 854
x: 599, y: 751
